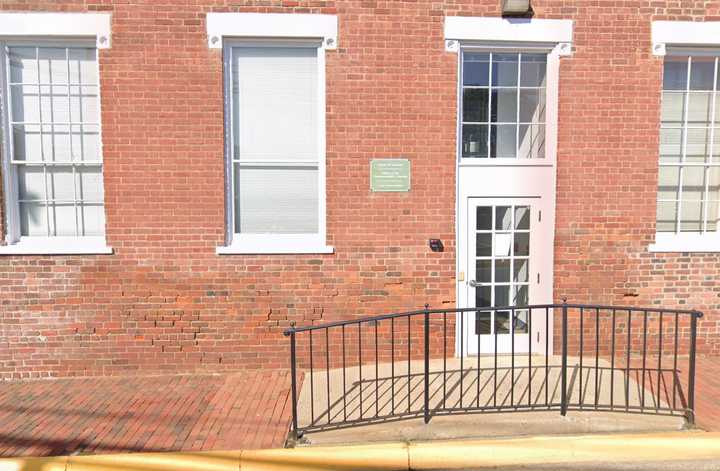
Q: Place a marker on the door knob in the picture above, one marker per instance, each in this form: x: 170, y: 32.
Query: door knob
x: 474, y: 283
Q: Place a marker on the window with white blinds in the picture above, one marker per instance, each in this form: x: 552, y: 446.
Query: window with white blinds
x: 276, y: 152
x: 275, y: 140
x: 54, y: 158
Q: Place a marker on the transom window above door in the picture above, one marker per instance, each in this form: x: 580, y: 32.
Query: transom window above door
x: 503, y: 103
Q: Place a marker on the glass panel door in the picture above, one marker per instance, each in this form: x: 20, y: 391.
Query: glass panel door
x: 499, y: 274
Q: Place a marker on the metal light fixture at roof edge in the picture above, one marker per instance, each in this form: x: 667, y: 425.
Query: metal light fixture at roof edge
x: 517, y: 8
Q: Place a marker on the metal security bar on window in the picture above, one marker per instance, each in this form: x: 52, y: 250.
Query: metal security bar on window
x: 689, y: 175
x: 55, y: 148
x: 503, y: 105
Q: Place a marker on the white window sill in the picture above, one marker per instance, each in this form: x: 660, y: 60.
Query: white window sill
x: 238, y: 249
x: 57, y: 246
x: 685, y: 242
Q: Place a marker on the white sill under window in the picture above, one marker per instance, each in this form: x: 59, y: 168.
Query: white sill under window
x: 250, y: 244
x: 57, y: 246
x: 686, y: 242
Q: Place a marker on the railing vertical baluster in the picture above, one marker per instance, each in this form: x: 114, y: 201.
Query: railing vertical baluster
x: 495, y: 355
x: 627, y: 362
x: 530, y: 357
x: 312, y: 383
x: 612, y: 363
x: 377, y: 373
x: 444, y: 359
x: 392, y: 365
x: 690, y: 417
x: 360, y: 366
x: 427, y: 365
x: 327, y: 369
x: 644, y: 359
x: 659, y: 372
x: 563, y: 367
x: 293, y: 387
x: 462, y: 355
x: 512, y: 358
x: 477, y: 315
x: 344, y: 374
x: 408, y: 364
x: 547, y: 357
x: 597, y: 354
x: 675, y: 360
x: 581, y: 397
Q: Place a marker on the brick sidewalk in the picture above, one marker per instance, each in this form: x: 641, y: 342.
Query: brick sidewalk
x: 160, y: 413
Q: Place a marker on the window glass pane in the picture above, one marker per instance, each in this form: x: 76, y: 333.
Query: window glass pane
x: 23, y: 66
x: 25, y: 104
x: 31, y: 183
x: 503, y: 218
x: 713, y: 215
x: 33, y: 219
x: 532, y: 106
x: 702, y: 73
x: 483, y: 271
x: 484, y: 218
x: 502, y: 322
x: 673, y: 108
x: 502, y: 271
x: 89, y: 139
x: 476, y: 69
x: 699, y: 108
x: 698, y: 145
x: 27, y: 143
x: 532, y: 70
x: 482, y: 323
x: 53, y: 65
x: 277, y: 103
x: 693, y: 181
x: 483, y: 245
x: 504, y: 106
x: 482, y: 296
x: 503, y: 140
x: 522, y: 243
x: 666, y: 216
x: 668, y: 183
x: 692, y: 216
x: 84, y: 104
x: 91, y: 219
x: 504, y: 70
x: 474, y: 140
x: 520, y: 325
x: 520, y: 295
x: 671, y: 144
x: 521, y: 270
x: 89, y: 183
x: 522, y: 217
x: 675, y: 73
x: 278, y: 200
x: 83, y: 69
x: 61, y: 185
x: 475, y: 105
x: 713, y: 183
x: 532, y: 141
x: 503, y: 243
x: 62, y: 219
x: 502, y: 295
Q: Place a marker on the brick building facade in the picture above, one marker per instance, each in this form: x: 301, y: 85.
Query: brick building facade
x: 164, y: 300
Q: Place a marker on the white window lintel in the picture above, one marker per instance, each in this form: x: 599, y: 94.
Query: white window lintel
x: 33, y: 24
x: 684, y: 33
x: 512, y: 30
x: 271, y: 25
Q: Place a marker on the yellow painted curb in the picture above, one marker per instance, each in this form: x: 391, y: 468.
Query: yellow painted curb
x: 488, y: 453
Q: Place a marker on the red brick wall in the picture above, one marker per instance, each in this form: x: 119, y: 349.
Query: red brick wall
x: 164, y: 302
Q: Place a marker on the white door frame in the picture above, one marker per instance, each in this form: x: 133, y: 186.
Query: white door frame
x: 510, y: 178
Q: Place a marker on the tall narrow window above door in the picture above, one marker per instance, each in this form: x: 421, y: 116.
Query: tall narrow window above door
x: 689, y: 173
x: 503, y: 105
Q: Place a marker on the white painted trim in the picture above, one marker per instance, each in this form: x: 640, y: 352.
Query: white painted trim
x: 271, y: 25
x: 685, y: 242
x: 69, y: 25
x: 684, y: 33
x: 486, y: 29
x: 57, y: 246
x: 248, y: 244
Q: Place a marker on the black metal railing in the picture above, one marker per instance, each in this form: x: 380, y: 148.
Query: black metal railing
x: 412, y: 364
